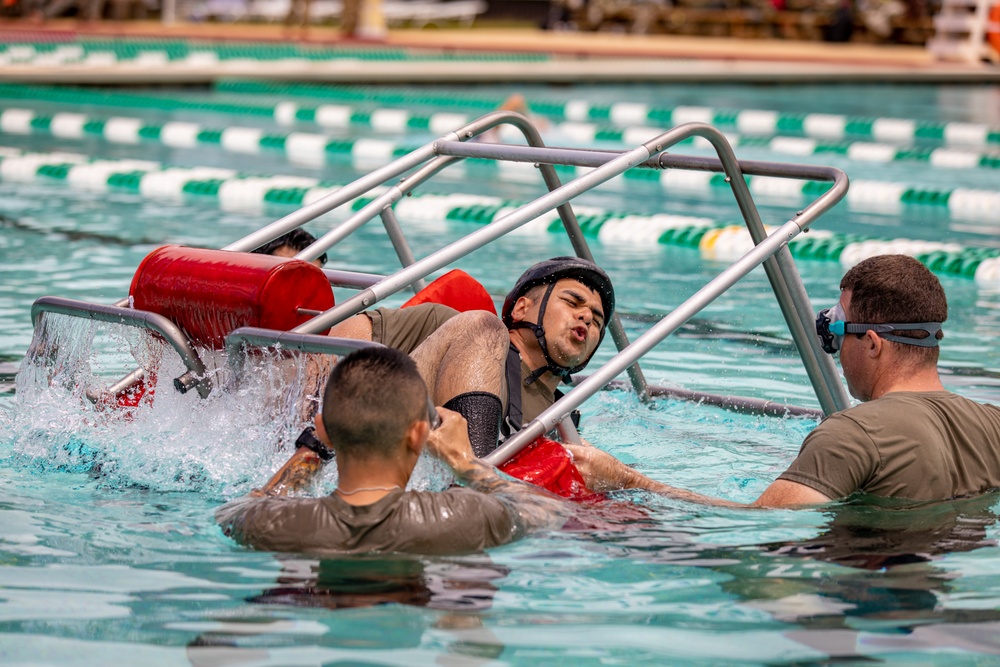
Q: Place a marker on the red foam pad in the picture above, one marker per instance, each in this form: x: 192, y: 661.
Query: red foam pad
x: 209, y: 293
x: 456, y: 289
x: 547, y: 464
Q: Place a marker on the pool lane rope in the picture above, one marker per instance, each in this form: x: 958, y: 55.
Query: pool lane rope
x: 400, y: 121
x: 716, y: 240
x: 317, y: 150
x: 207, y: 53
x: 746, y: 121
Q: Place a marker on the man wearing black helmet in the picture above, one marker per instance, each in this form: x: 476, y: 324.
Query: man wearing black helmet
x: 551, y: 324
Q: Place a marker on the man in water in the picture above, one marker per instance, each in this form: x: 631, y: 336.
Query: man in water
x: 501, y: 373
x: 910, y: 438
x: 377, y: 418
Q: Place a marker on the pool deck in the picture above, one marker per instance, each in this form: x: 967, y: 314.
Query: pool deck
x: 576, y: 57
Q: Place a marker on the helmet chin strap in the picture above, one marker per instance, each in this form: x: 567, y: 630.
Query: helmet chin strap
x: 539, y: 331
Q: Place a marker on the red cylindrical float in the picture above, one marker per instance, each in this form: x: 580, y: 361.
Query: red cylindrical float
x: 209, y: 293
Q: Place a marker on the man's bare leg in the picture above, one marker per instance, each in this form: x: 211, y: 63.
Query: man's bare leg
x: 359, y: 327
x: 467, y: 353
x: 464, y: 364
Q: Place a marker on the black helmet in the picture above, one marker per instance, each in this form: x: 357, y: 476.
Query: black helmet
x: 553, y: 270
x: 549, y: 272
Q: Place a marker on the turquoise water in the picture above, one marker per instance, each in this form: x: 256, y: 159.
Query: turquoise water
x: 108, y: 551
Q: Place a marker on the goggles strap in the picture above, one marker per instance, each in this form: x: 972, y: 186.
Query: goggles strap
x: 885, y: 331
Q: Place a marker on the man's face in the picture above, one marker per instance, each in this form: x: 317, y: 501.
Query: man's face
x: 574, y: 317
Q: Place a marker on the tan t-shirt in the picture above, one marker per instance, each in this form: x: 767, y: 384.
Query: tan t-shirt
x: 455, y: 521
x: 406, y: 328
x: 915, y: 445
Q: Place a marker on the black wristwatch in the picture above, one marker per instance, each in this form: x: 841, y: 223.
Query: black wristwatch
x: 309, y: 440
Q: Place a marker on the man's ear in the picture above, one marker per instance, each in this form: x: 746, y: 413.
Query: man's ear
x: 873, y: 344
x: 416, y: 436
x: 321, y: 430
x: 521, y: 308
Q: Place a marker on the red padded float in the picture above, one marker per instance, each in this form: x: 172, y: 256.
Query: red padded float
x: 209, y: 293
x: 456, y: 289
x: 547, y: 464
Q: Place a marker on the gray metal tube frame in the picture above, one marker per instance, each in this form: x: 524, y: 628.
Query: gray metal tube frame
x: 385, y: 201
x: 258, y: 337
x: 787, y: 286
x: 742, y: 404
x: 781, y: 272
x: 351, y: 279
x: 380, y: 176
x: 381, y: 206
x: 403, y: 251
x: 333, y: 200
x: 644, y: 343
x: 473, y: 241
x: 135, y: 318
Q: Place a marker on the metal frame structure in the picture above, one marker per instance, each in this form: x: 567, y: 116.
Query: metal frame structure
x: 415, y: 168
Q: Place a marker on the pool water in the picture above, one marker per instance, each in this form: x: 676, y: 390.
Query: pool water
x: 110, y: 555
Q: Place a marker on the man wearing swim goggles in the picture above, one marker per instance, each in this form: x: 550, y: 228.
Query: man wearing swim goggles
x: 909, y: 438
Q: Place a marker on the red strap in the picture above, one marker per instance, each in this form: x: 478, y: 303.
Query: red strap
x: 458, y: 290
x: 142, y: 390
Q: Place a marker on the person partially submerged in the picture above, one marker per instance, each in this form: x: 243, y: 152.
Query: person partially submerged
x: 909, y: 438
x: 377, y: 418
x: 291, y: 244
x: 501, y: 373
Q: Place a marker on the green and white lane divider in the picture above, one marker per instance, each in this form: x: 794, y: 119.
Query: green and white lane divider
x: 206, y: 53
x: 300, y: 147
x: 229, y: 189
x: 746, y: 121
x: 716, y: 240
x: 400, y: 121
x: 286, y: 113
x: 317, y: 150
x: 861, y: 151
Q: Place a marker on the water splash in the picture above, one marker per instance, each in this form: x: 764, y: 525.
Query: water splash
x: 220, y: 445
x: 223, y: 445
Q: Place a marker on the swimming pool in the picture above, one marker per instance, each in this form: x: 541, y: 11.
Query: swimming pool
x: 110, y: 553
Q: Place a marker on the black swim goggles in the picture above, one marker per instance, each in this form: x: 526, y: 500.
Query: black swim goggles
x: 831, y: 327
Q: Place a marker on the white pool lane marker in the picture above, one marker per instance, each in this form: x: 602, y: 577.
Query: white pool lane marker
x: 368, y: 153
x: 715, y: 240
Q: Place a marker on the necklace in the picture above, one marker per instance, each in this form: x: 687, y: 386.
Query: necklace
x: 367, y: 488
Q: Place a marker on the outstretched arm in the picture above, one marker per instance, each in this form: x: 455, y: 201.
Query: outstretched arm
x: 536, y: 507
x: 603, y: 472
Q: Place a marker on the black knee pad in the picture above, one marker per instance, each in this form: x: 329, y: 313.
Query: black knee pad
x: 483, y: 411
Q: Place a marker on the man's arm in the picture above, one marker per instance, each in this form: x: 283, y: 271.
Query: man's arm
x: 785, y: 493
x: 603, y: 472
x: 297, y: 473
x: 536, y: 507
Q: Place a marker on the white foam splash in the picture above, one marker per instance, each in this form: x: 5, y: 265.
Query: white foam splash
x: 223, y: 445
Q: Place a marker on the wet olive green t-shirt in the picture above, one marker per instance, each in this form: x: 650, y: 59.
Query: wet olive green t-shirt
x: 455, y: 521
x: 404, y: 329
x: 915, y: 445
